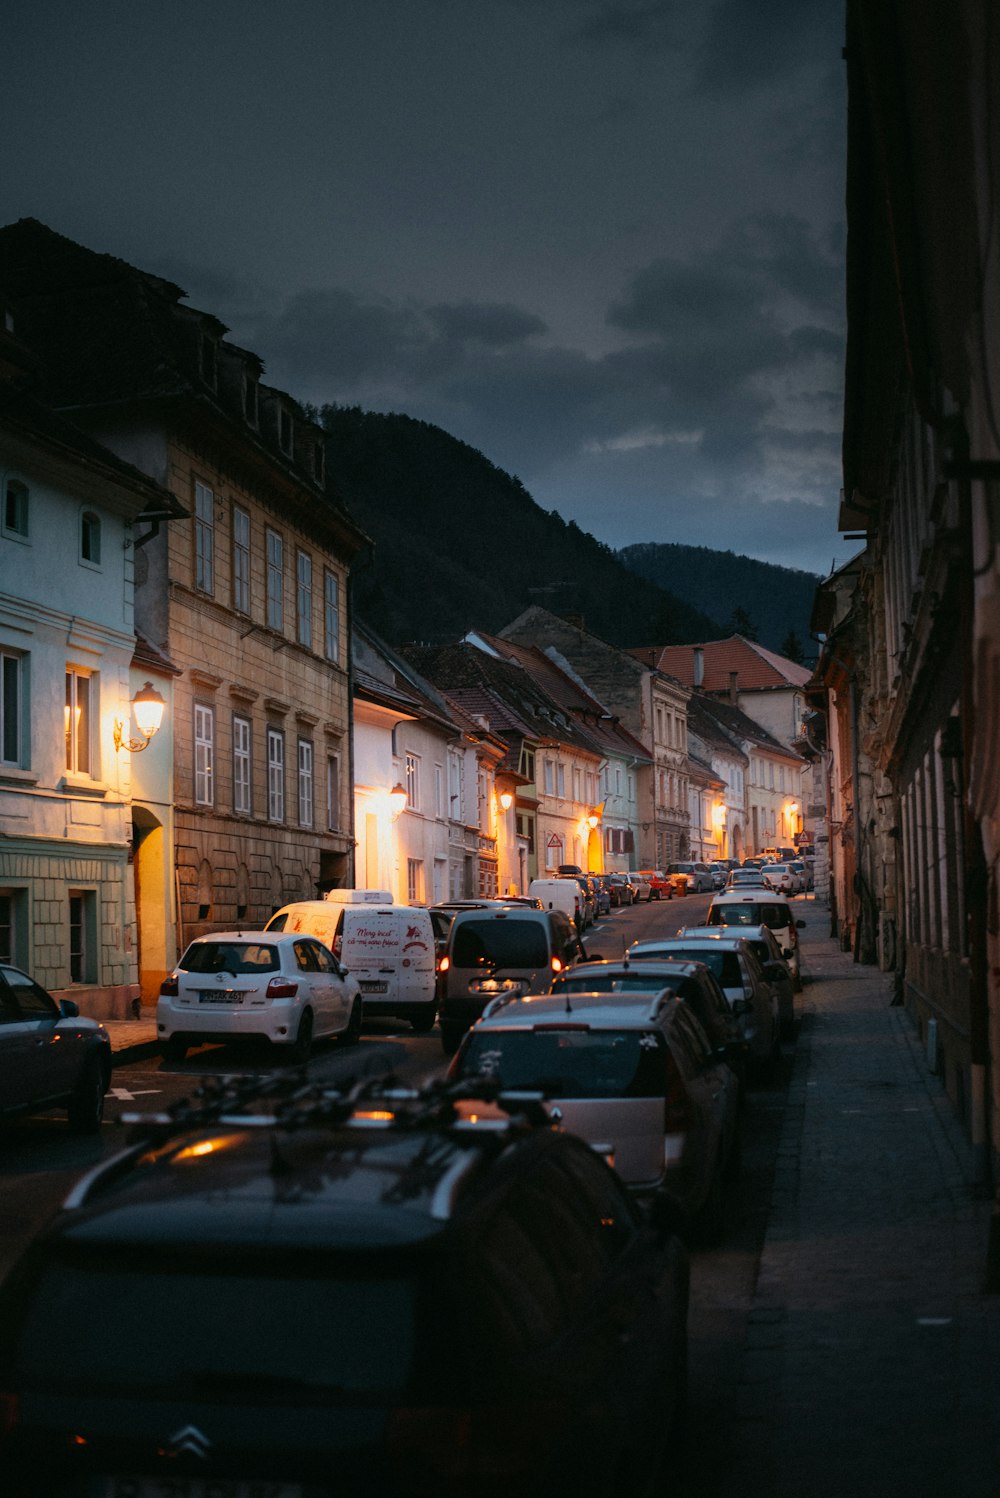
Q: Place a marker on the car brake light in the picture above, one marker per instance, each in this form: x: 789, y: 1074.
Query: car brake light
x: 444, y: 1450
x: 9, y: 1414
x: 338, y: 942
x: 557, y: 966
x: 282, y: 988
x: 444, y: 965
x: 169, y: 988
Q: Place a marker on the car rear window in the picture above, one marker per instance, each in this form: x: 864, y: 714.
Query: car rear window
x: 753, y: 913
x: 720, y: 963
x: 571, y: 1063
x: 258, y: 1333
x: 618, y: 983
x: 499, y: 944
x: 230, y: 957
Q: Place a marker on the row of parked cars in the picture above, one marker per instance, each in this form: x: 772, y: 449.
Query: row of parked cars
x: 476, y: 1287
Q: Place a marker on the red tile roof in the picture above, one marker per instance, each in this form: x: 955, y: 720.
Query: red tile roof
x: 756, y: 668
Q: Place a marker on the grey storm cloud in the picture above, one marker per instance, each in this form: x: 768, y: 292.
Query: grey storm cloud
x: 493, y: 325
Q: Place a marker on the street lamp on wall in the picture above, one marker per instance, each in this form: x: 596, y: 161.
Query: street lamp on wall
x: 147, y: 709
x: 397, y: 800
x: 506, y: 800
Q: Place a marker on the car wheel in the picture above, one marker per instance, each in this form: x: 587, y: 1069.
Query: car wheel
x: 86, y: 1110
x: 174, y: 1049
x: 424, y: 1021
x: 352, y: 1034
x: 298, y: 1051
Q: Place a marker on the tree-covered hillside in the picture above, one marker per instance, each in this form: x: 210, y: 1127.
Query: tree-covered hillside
x: 460, y: 544
x: 761, y: 599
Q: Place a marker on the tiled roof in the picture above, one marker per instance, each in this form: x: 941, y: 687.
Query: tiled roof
x: 741, y: 726
x: 756, y: 668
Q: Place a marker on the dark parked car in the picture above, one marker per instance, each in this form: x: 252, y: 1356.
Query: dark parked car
x: 366, y: 1292
x: 51, y: 1056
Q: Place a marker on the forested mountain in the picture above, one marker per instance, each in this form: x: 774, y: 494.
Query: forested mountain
x: 459, y: 544
x: 757, y: 599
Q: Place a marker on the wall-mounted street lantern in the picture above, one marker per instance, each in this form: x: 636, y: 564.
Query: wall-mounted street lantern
x: 147, y: 709
x: 506, y: 800
x: 397, y: 800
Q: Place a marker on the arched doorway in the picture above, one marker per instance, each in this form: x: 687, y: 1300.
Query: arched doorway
x: 156, y: 943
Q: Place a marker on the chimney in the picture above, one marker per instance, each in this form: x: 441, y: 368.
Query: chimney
x: 699, y: 666
x: 734, y: 691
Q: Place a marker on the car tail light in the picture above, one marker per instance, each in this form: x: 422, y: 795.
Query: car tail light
x: 9, y: 1414
x: 338, y: 944
x: 169, y: 988
x: 282, y: 988
x: 493, y: 1446
x: 557, y: 966
x: 444, y: 965
x: 677, y: 1104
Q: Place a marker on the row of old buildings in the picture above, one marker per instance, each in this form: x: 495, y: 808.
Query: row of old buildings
x: 170, y: 537
x: 909, y: 675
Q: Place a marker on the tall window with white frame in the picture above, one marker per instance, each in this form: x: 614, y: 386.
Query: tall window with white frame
x: 204, y: 538
x: 455, y: 786
x: 275, y: 581
x: 275, y: 775
x: 304, y: 599
x: 413, y: 782
x: 10, y: 708
x: 242, y: 786
x: 306, y: 786
x: 78, y: 721
x: 241, y: 560
x: 333, y: 792
x: 204, y: 754
x: 415, y: 881
x: 331, y: 617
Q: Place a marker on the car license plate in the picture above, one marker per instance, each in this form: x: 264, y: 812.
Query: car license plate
x: 374, y: 987
x: 221, y: 996
x: 200, y: 1487
x: 496, y: 985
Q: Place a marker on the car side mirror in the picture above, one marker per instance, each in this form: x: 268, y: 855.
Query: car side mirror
x: 775, y: 970
x: 69, y: 1008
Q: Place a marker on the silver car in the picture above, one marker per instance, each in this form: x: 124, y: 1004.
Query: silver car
x: 51, y: 1056
x: 633, y: 1074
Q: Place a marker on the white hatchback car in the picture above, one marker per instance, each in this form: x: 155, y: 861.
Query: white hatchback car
x: 286, y: 988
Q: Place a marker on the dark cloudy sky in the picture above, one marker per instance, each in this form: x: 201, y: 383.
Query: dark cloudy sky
x: 600, y: 240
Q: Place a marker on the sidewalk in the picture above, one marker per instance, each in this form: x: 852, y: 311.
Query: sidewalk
x: 872, y: 1363
x: 131, y: 1039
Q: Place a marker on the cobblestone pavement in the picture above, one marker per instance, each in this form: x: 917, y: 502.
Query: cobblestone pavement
x: 872, y: 1364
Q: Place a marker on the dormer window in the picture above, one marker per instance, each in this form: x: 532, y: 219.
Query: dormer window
x: 285, y: 430
x: 251, y: 399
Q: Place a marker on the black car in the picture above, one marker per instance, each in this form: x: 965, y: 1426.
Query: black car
x: 292, y: 1290
x: 50, y: 1055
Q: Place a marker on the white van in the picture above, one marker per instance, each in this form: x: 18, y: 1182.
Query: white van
x: 388, y: 948
x: 560, y: 894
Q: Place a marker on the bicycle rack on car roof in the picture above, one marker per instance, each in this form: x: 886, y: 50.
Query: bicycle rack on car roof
x: 371, y: 1103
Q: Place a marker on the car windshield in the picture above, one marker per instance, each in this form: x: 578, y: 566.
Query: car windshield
x: 230, y: 957
x: 571, y: 1063
x: 753, y: 913
x: 249, y: 1330
x: 499, y: 944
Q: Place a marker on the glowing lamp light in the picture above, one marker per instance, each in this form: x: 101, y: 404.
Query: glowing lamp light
x: 506, y: 800
x: 147, y: 709
x: 397, y: 799
x: 592, y: 821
